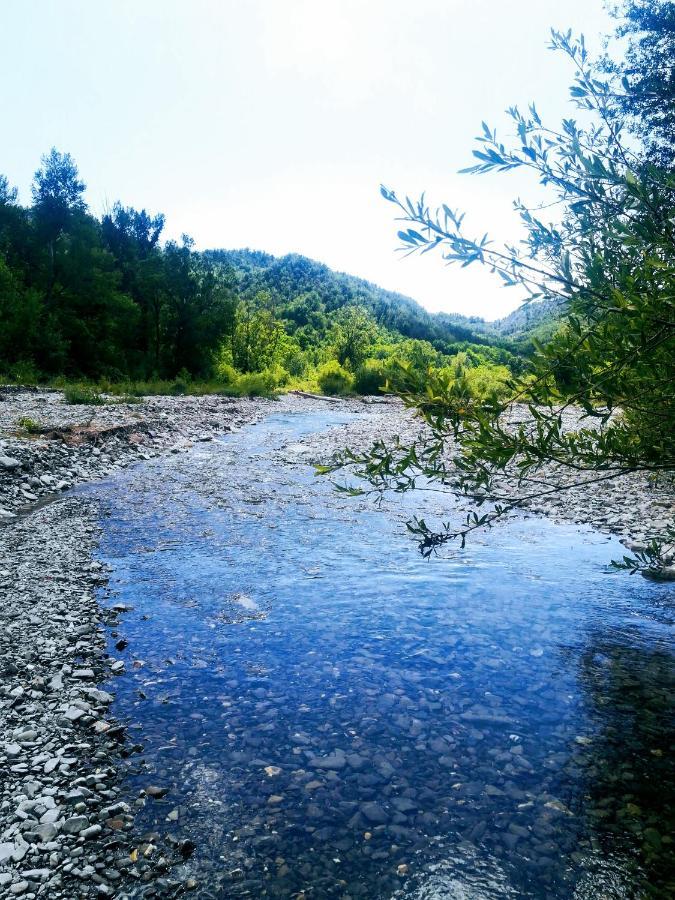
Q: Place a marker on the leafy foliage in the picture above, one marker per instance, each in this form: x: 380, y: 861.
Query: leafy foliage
x: 89, y: 298
x: 334, y: 379
x: 108, y: 302
x: 82, y: 395
x: 608, y: 261
x: 647, y: 27
x: 308, y: 295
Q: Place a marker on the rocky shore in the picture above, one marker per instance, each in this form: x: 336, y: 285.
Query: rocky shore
x: 65, y: 831
x: 634, y: 507
x: 47, y: 446
x: 63, y: 827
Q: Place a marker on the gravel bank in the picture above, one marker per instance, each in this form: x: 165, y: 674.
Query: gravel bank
x: 68, y: 445
x: 65, y: 832
x: 63, y: 827
x: 634, y: 507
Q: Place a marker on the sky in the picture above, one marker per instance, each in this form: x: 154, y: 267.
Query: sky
x: 270, y: 124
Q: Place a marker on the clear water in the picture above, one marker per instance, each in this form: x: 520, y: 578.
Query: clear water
x: 337, y: 717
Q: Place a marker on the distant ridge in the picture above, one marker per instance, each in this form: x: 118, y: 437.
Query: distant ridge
x: 289, y: 276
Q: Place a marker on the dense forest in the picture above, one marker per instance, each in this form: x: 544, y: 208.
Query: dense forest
x: 107, y: 300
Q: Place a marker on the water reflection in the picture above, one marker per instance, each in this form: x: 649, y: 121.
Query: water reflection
x: 629, y: 802
x: 339, y: 718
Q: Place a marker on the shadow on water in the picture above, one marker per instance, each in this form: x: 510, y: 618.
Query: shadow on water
x: 628, y: 808
x: 337, y: 718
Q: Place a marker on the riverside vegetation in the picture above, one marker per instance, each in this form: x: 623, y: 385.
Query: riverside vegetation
x: 606, y: 257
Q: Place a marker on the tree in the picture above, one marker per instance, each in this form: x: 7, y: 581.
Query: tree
x: 57, y: 190
x: 610, y: 261
x: 57, y: 196
x: 258, y: 337
x: 352, y: 334
x: 133, y: 239
x: 198, y: 311
x: 647, y: 27
x: 8, y: 195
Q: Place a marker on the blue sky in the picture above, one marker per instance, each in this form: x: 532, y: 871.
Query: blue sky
x: 271, y: 123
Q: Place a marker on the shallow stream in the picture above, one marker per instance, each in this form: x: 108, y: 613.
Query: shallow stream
x: 335, y: 715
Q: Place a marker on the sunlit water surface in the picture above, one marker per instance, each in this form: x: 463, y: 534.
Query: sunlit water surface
x: 336, y: 716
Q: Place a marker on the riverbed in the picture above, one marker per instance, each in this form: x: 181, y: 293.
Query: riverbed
x: 331, y: 715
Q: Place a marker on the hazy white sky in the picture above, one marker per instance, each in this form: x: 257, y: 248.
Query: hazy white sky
x: 271, y: 123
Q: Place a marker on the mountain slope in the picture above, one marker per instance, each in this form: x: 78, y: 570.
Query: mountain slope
x: 293, y: 276
x: 537, y: 316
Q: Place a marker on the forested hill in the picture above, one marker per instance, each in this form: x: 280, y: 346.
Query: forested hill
x: 306, y: 290
x: 538, y: 318
x: 107, y: 299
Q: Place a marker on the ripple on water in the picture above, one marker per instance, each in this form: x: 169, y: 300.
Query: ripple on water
x: 340, y: 717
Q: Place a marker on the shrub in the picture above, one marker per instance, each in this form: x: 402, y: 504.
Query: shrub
x: 82, y: 394
x: 296, y: 363
x: 29, y: 425
x: 371, y: 377
x: 255, y: 384
x: 24, y: 372
x: 226, y: 373
x: 488, y: 382
x: 278, y: 375
x: 334, y: 379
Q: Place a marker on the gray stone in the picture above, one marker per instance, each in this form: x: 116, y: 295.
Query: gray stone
x: 334, y: 761
x: 75, y: 824
x: 83, y: 673
x: 56, y: 682
x: 374, y: 813
x: 46, y: 832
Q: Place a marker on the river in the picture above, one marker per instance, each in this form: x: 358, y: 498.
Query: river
x: 336, y: 717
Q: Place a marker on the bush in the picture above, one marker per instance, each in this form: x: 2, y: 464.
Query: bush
x: 226, y: 373
x: 488, y: 381
x: 296, y: 363
x: 255, y: 384
x: 82, y: 394
x: 29, y: 425
x: 278, y: 375
x: 334, y: 379
x: 24, y: 372
x: 371, y: 377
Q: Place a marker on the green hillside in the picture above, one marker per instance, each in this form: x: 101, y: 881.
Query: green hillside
x: 307, y: 290
x: 106, y: 300
x: 538, y: 319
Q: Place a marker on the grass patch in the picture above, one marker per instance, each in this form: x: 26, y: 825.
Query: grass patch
x: 29, y: 425
x: 82, y: 395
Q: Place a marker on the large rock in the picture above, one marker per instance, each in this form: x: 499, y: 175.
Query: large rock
x: 75, y: 824
x: 9, y: 463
